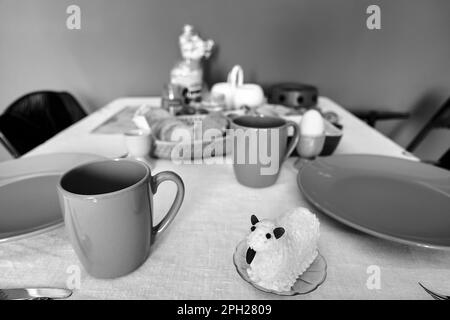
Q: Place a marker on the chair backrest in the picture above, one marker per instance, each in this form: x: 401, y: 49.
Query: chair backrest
x: 441, y: 119
x: 38, y: 116
x: 7, y: 152
x: 7, y: 147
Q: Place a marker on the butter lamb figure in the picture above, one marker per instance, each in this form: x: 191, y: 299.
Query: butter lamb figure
x: 280, y: 251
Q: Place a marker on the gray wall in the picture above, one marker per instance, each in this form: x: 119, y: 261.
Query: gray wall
x: 128, y: 47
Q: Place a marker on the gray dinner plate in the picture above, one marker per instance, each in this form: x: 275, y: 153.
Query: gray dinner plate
x: 395, y: 199
x: 28, y: 198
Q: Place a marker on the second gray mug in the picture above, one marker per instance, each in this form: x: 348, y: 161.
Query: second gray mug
x: 108, y: 213
x: 260, y: 146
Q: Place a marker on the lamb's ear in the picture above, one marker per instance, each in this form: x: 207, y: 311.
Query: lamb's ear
x: 254, y: 219
x: 278, y: 232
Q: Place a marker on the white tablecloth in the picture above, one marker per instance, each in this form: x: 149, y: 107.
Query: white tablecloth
x: 193, y: 258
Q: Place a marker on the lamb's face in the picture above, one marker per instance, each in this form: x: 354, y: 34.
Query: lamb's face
x: 263, y: 237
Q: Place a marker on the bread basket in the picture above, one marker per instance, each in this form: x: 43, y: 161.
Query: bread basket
x: 195, y: 149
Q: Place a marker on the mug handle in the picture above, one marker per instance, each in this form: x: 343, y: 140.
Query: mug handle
x: 170, y: 215
x: 294, y: 140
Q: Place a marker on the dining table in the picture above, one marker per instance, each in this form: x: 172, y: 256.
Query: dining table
x: 193, y: 258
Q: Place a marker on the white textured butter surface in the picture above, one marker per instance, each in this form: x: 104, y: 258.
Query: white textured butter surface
x: 279, y: 262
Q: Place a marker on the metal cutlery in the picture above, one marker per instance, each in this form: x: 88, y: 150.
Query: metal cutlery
x: 436, y: 296
x: 34, y: 293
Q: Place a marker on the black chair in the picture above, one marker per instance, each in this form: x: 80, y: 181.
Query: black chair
x: 12, y: 151
x: 35, y: 118
x: 444, y: 161
x: 373, y: 116
x: 440, y: 120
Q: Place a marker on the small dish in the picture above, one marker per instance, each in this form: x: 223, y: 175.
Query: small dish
x: 332, y: 139
x: 309, y: 281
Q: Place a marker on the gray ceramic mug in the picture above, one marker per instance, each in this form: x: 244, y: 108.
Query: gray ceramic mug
x: 260, y: 146
x: 108, y: 213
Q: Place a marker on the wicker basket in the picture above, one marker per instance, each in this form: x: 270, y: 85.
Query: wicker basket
x: 197, y: 149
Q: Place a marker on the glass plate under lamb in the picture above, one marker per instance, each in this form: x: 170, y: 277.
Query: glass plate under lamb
x: 309, y: 281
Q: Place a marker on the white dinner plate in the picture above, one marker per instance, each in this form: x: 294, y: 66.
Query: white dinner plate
x: 28, y: 197
x: 391, y: 198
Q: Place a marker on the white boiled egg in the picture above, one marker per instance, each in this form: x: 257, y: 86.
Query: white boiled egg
x: 312, y: 123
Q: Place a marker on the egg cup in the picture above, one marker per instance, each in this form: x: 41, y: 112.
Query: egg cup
x: 308, y: 148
